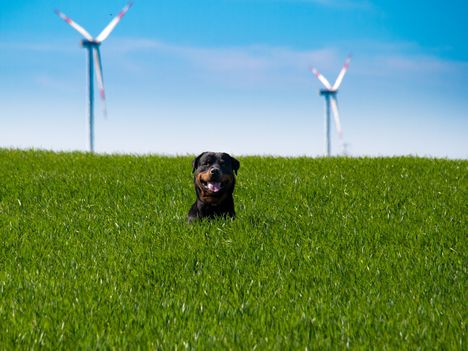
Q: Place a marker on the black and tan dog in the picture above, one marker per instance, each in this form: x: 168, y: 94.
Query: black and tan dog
x: 214, y: 179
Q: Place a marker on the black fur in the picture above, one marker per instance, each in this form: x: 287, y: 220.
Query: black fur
x: 214, y: 181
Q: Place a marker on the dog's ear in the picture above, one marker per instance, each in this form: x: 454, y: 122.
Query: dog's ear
x: 195, y: 162
x: 235, y: 164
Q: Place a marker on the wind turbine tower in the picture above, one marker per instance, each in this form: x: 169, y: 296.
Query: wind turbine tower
x: 331, y: 105
x: 94, y: 62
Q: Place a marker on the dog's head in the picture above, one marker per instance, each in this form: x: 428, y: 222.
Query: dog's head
x: 214, y: 176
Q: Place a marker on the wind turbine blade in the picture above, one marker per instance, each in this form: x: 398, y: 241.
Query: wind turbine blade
x: 321, y: 78
x: 110, y: 27
x: 100, y: 79
x: 336, y: 116
x: 342, y: 73
x: 75, y: 25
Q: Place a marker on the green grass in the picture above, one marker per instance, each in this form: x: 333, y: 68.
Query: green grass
x: 325, y: 253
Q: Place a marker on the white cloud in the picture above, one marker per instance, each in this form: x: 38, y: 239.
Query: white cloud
x: 264, y: 65
x: 369, y: 59
x: 39, y: 47
x: 248, y: 58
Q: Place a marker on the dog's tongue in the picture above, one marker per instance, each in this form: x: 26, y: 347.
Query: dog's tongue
x: 214, y: 186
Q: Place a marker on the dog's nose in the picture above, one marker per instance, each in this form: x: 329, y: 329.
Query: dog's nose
x: 214, y: 171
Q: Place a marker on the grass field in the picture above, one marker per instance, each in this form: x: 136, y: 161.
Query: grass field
x: 325, y: 253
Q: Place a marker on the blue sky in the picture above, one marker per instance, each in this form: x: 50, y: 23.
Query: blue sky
x: 183, y: 77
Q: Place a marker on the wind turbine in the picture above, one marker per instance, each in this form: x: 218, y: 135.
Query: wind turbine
x: 92, y: 45
x: 331, y: 103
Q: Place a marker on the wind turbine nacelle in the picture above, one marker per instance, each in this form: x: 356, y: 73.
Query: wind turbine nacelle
x: 89, y: 43
x: 326, y: 92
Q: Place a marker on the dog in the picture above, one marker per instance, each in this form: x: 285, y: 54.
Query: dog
x: 214, y: 180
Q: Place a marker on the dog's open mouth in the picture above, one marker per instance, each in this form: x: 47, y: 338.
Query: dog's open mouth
x: 213, y: 187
